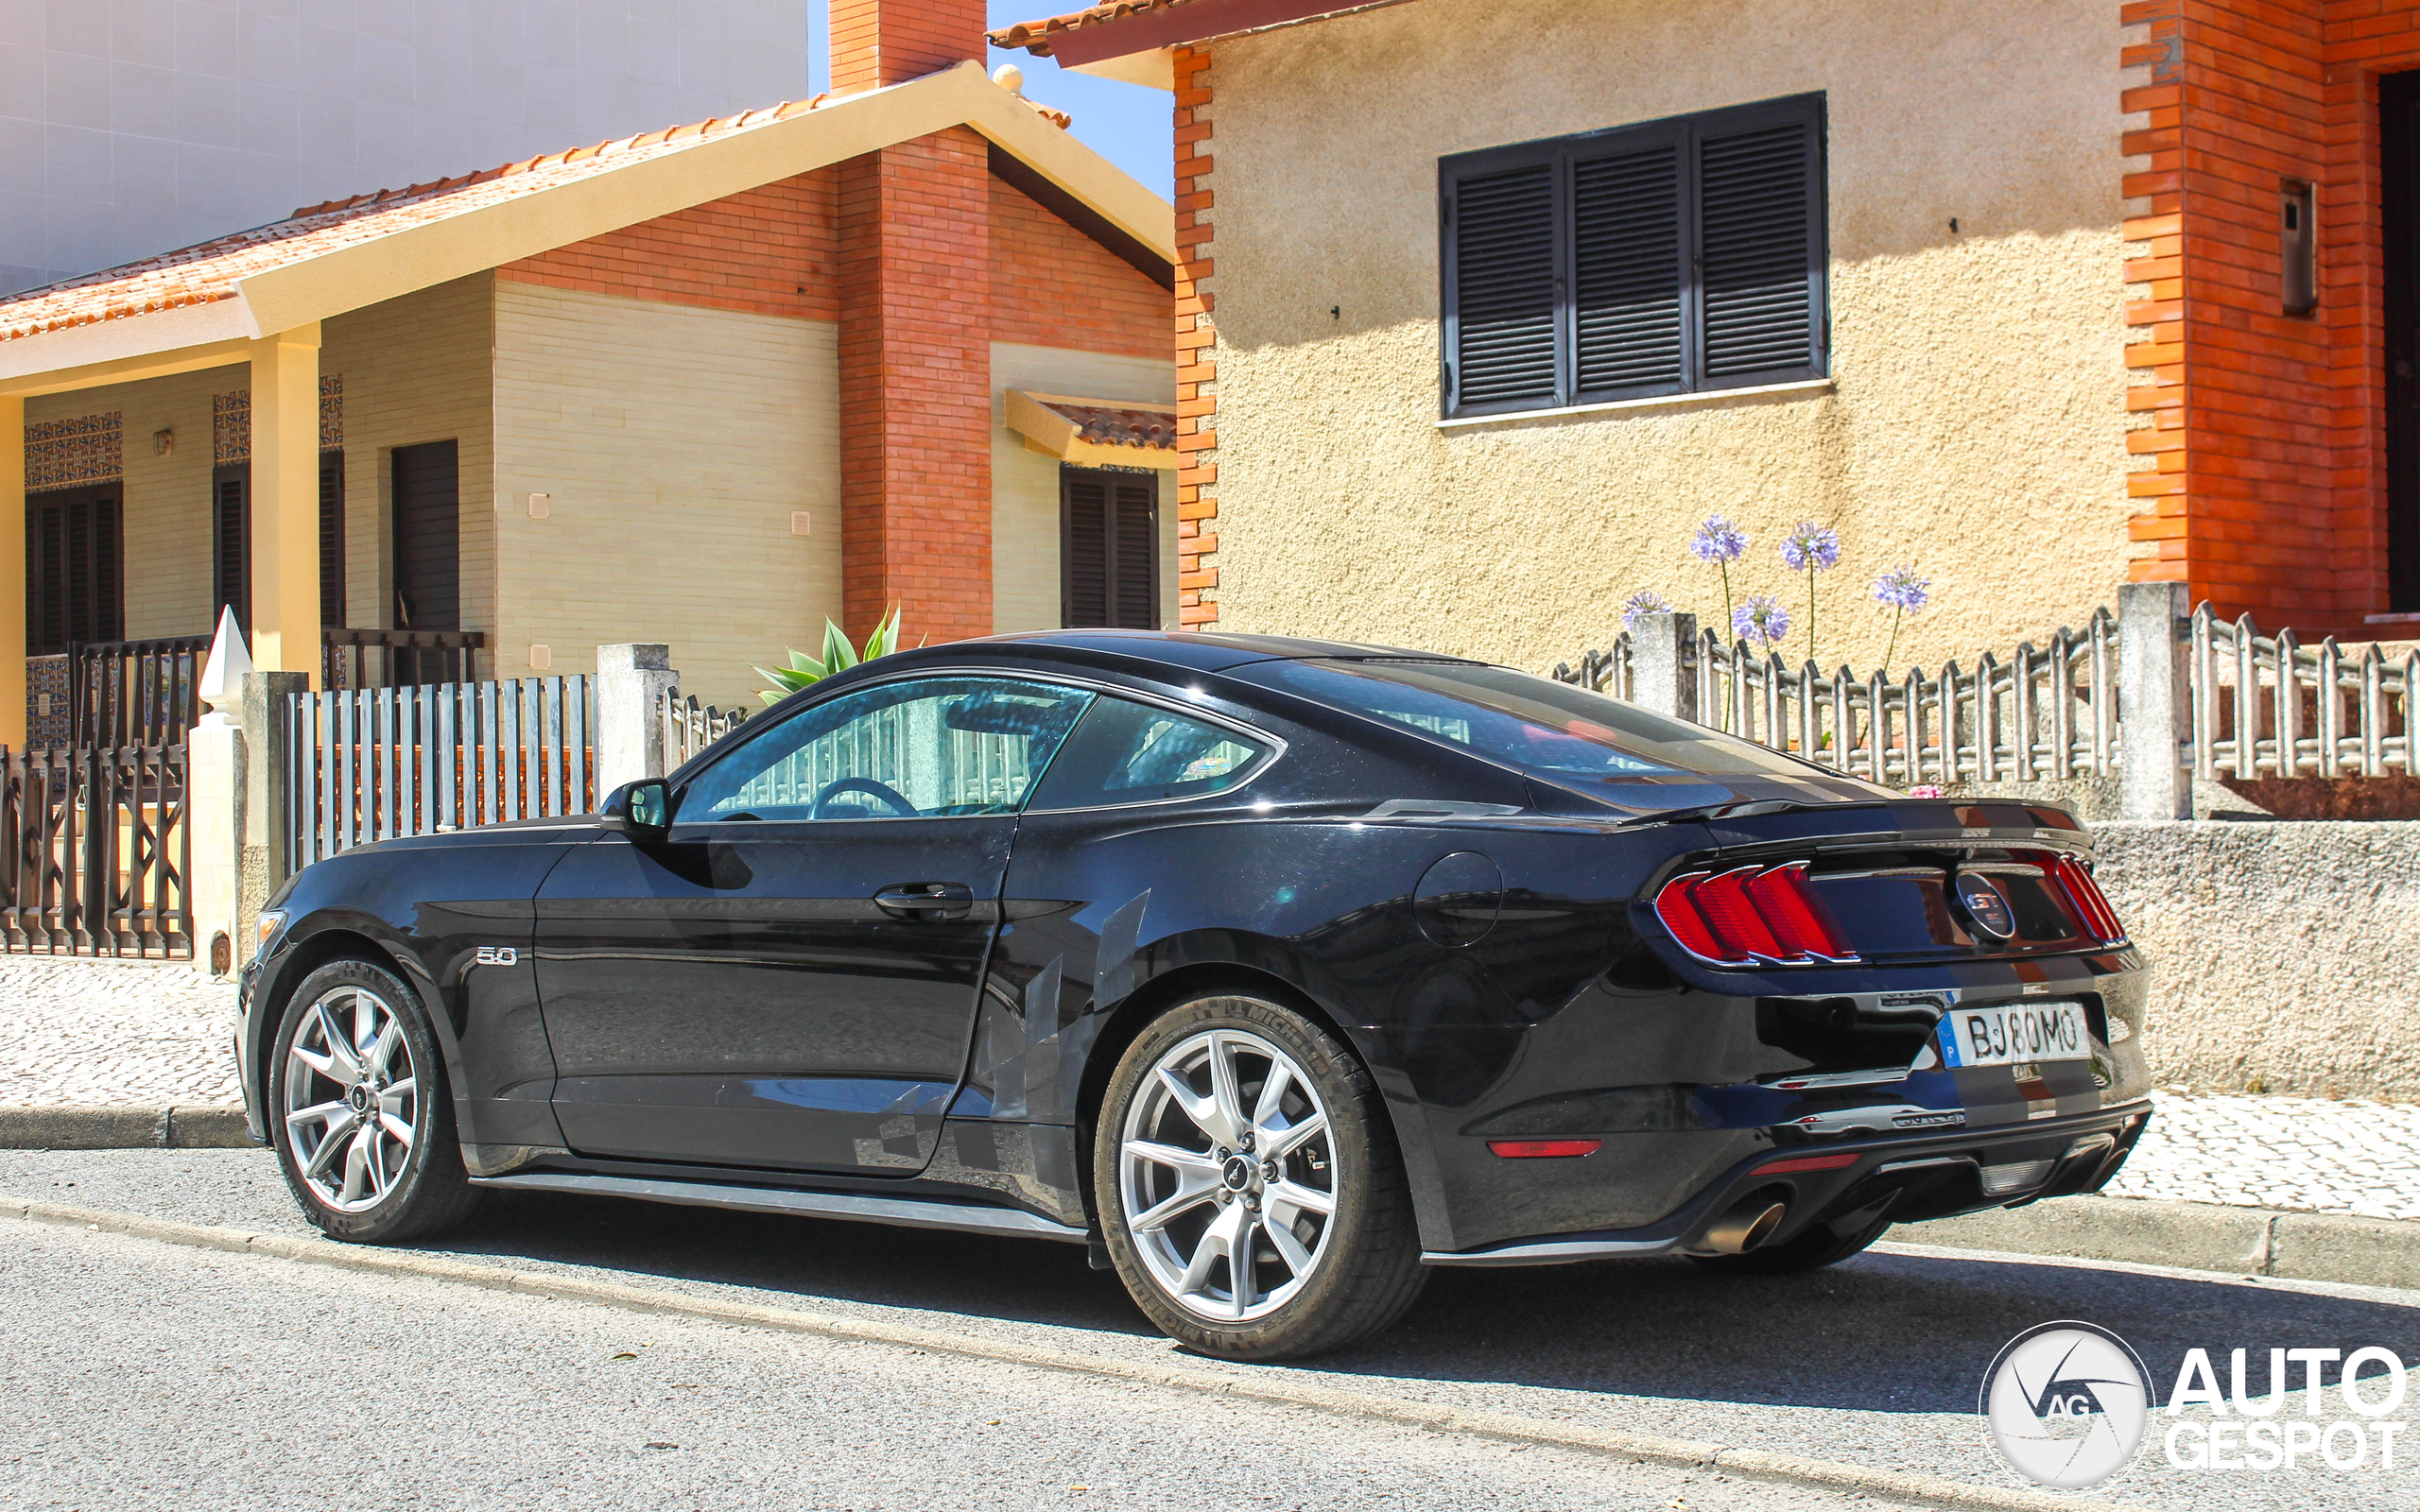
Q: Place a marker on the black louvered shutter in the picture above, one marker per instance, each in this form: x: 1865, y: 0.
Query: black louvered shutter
x: 1504, y: 293
x: 1133, y: 556
x: 1083, y: 556
x: 229, y: 543
x: 331, y: 539
x: 75, y: 589
x: 1757, y: 252
x: 1627, y: 272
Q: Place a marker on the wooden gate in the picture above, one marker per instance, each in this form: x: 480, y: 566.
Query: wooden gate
x: 373, y: 763
x: 97, y: 851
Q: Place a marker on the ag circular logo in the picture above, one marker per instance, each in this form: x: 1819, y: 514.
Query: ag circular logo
x: 2066, y: 1403
x: 1985, y: 905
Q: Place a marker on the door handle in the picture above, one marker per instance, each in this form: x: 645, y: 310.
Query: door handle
x: 927, y: 900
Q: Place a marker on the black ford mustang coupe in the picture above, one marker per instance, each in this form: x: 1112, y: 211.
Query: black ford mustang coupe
x: 1274, y: 971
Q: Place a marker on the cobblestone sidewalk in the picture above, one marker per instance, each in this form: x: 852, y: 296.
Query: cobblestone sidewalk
x: 81, y: 1033
x: 86, y: 1032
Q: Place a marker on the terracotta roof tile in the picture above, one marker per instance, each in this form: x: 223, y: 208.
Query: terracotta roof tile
x: 1034, y: 36
x: 1123, y: 425
x: 213, y: 269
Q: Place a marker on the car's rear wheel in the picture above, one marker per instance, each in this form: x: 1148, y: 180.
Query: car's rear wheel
x: 359, y: 1111
x: 1249, y: 1184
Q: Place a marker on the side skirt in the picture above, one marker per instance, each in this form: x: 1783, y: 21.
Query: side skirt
x: 912, y: 1212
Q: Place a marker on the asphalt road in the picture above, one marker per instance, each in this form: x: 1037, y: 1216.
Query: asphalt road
x: 258, y: 1382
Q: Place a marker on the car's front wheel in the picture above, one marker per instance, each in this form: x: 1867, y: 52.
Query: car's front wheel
x: 359, y: 1114
x: 1249, y: 1184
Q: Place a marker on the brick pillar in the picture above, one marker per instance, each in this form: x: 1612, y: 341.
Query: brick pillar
x: 916, y: 387
x: 888, y: 42
x: 1197, y: 342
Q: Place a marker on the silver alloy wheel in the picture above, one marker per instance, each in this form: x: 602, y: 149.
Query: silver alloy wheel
x: 1227, y: 1175
x: 351, y: 1101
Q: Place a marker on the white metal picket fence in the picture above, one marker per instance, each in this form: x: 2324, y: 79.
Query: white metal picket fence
x: 373, y: 763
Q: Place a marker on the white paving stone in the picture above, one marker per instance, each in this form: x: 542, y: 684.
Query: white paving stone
x: 2301, y: 1153
x: 93, y: 1032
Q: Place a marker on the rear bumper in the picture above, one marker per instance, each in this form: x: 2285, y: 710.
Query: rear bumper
x: 1904, y: 1178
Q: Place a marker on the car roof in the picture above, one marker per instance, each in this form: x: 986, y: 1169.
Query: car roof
x: 1186, y: 650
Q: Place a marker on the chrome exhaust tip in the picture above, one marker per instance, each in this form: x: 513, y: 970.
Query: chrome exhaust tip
x: 1744, y: 1227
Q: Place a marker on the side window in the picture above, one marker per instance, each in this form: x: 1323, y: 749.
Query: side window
x: 937, y: 748
x: 1127, y: 752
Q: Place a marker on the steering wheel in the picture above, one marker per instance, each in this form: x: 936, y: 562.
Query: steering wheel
x: 872, y: 789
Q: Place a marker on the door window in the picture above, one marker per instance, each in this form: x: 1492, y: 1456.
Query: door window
x: 1129, y: 752
x: 935, y: 748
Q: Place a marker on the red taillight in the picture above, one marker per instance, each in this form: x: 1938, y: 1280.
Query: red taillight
x: 1752, y: 914
x: 2091, y: 905
x: 1542, y: 1149
x: 1811, y: 1163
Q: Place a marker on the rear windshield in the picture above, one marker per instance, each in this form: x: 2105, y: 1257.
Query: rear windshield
x: 1533, y: 724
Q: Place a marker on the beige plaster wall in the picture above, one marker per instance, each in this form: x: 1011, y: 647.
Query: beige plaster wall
x: 675, y: 441
x: 165, y: 523
x: 416, y: 369
x: 1025, y: 482
x: 1976, y: 427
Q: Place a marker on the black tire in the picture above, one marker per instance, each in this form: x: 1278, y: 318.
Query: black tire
x: 1364, y: 1254
x: 1819, y: 1246
x: 387, y: 1191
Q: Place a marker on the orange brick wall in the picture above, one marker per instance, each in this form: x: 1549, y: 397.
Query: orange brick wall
x: 889, y: 42
x: 916, y: 386
x: 2268, y: 493
x: 1197, y: 350
x: 1054, y: 286
x: 770, y: 251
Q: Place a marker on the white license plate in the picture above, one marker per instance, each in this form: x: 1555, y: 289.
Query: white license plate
x: 2010, y: 1033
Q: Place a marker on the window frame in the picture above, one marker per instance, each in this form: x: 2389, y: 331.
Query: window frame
x: 682, y: 778
x: 1685, y: 133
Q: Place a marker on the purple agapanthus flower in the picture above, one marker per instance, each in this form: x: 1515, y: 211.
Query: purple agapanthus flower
x: 1718, y: 540
x: 1901, y: 589
x: 1761, y: 618
x: 1811, y: 547
x: 1645, y: 601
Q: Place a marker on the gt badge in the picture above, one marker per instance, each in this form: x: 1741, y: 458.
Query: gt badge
x: 498, y: 955
x: 1985, y: 905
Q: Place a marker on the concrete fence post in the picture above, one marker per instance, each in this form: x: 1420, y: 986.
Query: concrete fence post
x: 2154, y: 700
x: 1659, y: 663
x: 631, y: 681
x: 264, y: 836
x: 214, y: 785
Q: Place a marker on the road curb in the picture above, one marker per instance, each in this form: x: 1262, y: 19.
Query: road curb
x: 1271, y: 1386
x: 135, y: 1126
x: 2303, y: 1247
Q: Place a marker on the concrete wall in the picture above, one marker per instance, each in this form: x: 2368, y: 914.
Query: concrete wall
x: 415, y: 369
x: 2286, y: 956
x: 1977, y: 428
x: 1025, y: 482
x: 129, y: 130
x: 675, y: 441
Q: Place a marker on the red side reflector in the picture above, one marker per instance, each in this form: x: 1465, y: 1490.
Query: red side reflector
x: 1542, y: 1149
x: 1809, y: 1162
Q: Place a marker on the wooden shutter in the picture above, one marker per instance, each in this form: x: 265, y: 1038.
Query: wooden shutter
x: 1108, y: 549
x: 331, y: 539
x: 1133, y: 555
x: 1627, y: 271
x: 231, y: 519
x: 1758, y: 254
x: 1504, y: 288
x: 1083, y: 557
x: 74, y: 588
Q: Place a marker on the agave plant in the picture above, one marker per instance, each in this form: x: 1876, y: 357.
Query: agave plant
x: 838, y: 656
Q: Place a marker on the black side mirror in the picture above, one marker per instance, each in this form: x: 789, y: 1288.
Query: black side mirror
x: 645, y: 808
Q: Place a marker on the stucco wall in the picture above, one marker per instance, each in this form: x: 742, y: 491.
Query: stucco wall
x: 415, y: 369
x: 2286, y: 956
x: 1977, y: 428
x: 1025, y: 482
x: 675, y: 441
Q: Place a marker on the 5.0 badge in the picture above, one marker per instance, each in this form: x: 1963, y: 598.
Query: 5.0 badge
x: 497, y: 955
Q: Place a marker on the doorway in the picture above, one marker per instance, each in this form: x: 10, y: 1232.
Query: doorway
x: 2399, y: 180
x: 427, y: 538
